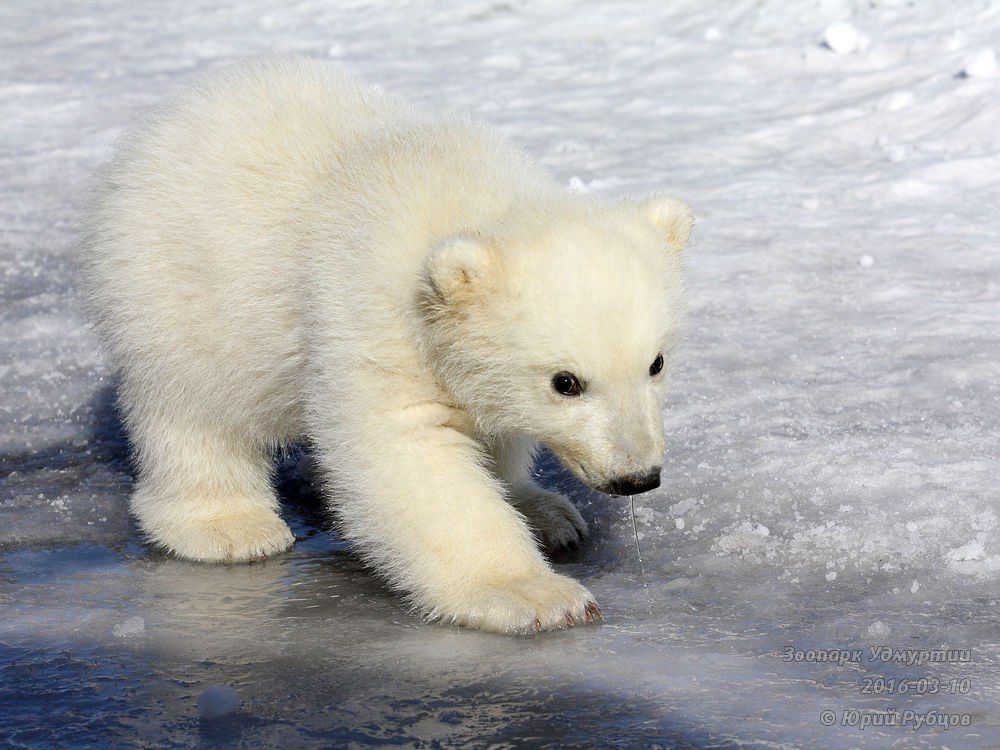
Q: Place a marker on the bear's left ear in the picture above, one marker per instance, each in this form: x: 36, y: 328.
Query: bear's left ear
x: 671, y: 216
x: 456, y: 266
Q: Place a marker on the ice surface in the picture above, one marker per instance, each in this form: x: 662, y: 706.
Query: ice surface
x: 833, y: 425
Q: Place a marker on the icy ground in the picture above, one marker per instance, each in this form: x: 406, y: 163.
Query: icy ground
x: 832, y: 476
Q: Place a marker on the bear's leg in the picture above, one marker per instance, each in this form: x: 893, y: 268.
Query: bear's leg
x: 422, y: 508
x: 204, y: 495
x: 552, y: 516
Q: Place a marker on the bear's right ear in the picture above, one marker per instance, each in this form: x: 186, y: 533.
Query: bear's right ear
x: 671, y: 216
x: 457, y: 265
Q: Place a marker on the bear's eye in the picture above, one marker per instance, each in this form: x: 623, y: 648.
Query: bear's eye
x: 567, y: 384
x: 657, y: 366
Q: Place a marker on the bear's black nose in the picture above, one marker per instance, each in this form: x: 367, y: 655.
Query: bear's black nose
x: 634, y: 484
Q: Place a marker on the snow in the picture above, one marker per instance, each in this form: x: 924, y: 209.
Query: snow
x: 982, y: 64
x: 833, y: 423
x: 842, y: 38
x: 133, y: 627
x: 879, y: 629
x: 218, y: 700
x: 971, y: 551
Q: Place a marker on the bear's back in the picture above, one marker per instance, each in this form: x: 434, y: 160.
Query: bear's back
x: 270, y: 206
x: 231, y: 155
x: 188, y: 261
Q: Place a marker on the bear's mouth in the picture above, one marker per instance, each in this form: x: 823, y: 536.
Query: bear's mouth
x: 627, y: 485
x: 633, y: 484
x: 577, y: 469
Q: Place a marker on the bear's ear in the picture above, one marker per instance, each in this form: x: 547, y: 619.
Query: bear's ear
x: 457, y: 265
x: 671, y: 216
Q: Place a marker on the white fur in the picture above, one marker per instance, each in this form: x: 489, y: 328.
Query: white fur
x: 279, y: 254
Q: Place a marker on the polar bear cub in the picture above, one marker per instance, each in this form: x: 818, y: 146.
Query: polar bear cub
x: 279, y: 254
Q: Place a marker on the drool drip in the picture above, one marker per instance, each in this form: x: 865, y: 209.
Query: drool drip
x: 635, y: 531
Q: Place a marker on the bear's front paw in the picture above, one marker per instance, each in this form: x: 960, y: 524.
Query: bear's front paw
x: 554, y: 519
x: 545, y: 602
x: 246, y: 537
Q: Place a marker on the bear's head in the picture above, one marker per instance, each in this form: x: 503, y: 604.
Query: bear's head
x: 559, y: 324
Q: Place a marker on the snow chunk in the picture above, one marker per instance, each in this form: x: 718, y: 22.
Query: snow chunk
x: 841, y: 37
x: 751, y: 528
x: 866, y: 261
x: 898, y: 101
x: 983, y: 64
x: 747, y: 540
x: 503, y: 61
x: 987, y: 520
x: 896, y: 153
x: 682, y: 507
x: 275, y: 21
x: 879, y: 629
x: 967, y: 552
x: 218, y: 700
x: 133, y: 627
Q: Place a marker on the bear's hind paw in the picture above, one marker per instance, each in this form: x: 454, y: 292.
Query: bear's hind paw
x: 246, y: 537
